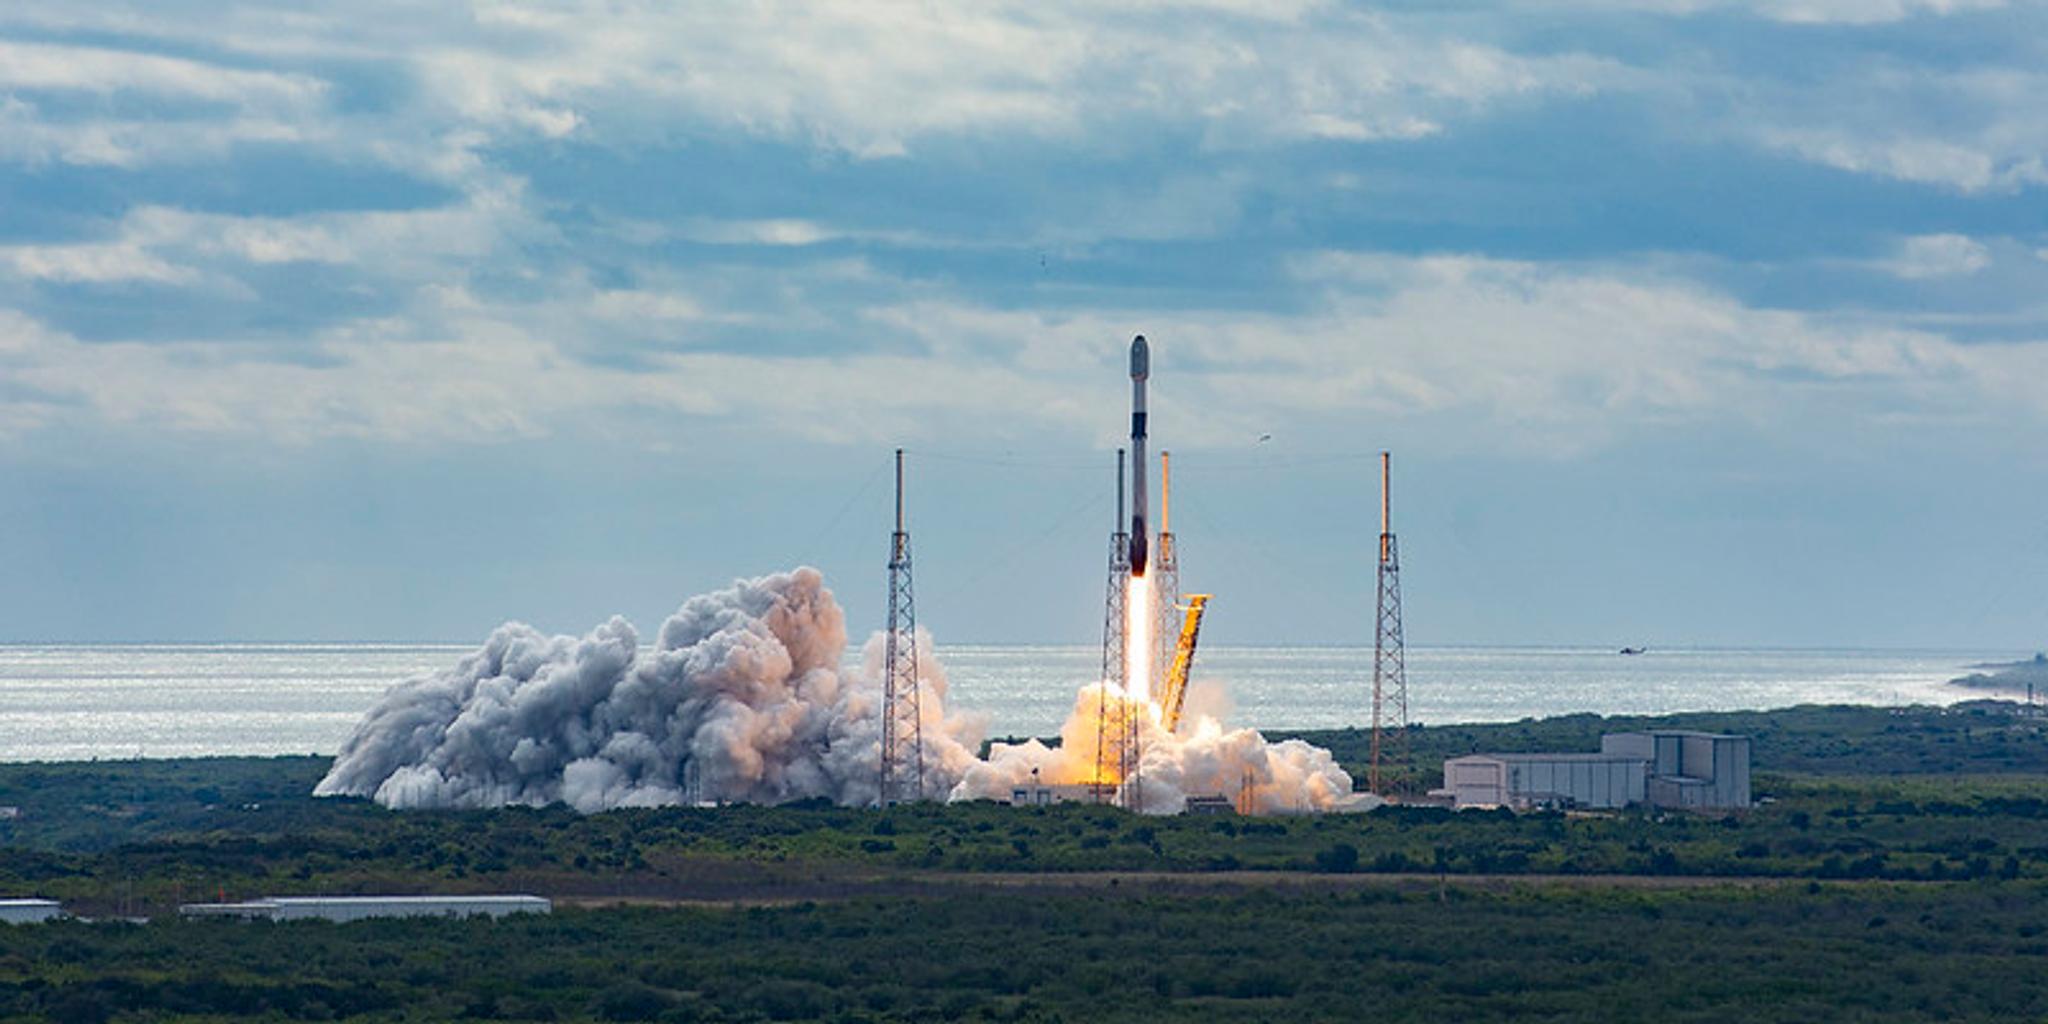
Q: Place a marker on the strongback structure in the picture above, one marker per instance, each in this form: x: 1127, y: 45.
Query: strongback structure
x: 1389, y: 657
x: 1115, y: 730
x: 902, y: 721
x: 1166, y: 587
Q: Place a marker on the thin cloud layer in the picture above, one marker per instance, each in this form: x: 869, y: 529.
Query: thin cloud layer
x: 854, y: 222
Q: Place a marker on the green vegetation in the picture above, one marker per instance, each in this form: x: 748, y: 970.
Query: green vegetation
x: 1392, y: 953
x: 1897, y: 872
x: 147, y: 834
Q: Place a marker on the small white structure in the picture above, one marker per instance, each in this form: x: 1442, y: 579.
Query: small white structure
x: 356, y: 908
x: 29, y: 911
x: 1045, y: 794
x: 1665, y: 768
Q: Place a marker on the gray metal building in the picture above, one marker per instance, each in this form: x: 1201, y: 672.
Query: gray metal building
x: 29, y: 911
x: 1688, y: 769
x: 1664, y: 768
x: 1544, y: 780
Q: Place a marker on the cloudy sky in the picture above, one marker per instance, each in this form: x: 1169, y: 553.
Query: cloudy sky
x: 1689, y: 321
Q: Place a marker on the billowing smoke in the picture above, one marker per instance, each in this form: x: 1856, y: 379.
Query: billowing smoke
x: 1257, y: 776
x: 742, y: 699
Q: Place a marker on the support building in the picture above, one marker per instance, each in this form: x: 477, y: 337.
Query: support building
x: 29, y: 911
x: 356, y: 908
x: 1661, y: 768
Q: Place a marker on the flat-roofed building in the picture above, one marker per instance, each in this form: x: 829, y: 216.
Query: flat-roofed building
x: 1524, y: 781
x: 1046, y: 794
x: 29, y: 911
x: 1678, y: 769
x: 356, y: 908
x: 1688, y: 769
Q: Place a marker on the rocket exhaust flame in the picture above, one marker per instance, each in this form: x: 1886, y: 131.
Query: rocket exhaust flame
x: 1139, y: 617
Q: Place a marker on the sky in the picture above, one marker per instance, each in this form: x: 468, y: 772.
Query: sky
x: 1688, y: 322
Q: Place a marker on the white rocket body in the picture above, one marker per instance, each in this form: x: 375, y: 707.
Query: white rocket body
x: 1141, y: 371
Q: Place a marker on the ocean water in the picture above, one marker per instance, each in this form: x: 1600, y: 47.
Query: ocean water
x: 82, y: 702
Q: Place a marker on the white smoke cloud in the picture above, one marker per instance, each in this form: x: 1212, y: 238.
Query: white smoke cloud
x: 742, y: 699
x: 1289, y: 777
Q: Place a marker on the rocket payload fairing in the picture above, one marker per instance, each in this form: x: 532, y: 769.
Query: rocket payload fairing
x: 1141, y: 371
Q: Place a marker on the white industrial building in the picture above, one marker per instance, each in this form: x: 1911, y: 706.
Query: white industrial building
x: 1688, y: 769
x: 1665, y: 768
x: 29, y: 911
x: 1544, y: 780
x: 1046, y: 794
x: 356, y: 908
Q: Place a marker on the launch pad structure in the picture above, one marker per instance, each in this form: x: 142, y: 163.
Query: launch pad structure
x: 1166, y: 592
x: 1116, y: 729
x: 902, y: 777
x: 1389, y: 654
x: 1149, y: 639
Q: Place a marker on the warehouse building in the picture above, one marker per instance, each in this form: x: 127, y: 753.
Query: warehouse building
x: 356, y: 908
x: 1688, y: 769
x: 29, y: 911
x: 1526, y: 781
x: 1664, y: 768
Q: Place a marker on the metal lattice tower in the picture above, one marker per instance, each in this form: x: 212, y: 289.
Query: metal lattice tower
x: 1111, y: 730
x: 902, y: 722
x: 1166, y: 591
x: 1389, y: 655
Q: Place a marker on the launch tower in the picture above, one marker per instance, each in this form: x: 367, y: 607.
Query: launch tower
x: 902, y: 722
x: 1166, y: 592
x: 1113, y: 754
x: 1389, y: 657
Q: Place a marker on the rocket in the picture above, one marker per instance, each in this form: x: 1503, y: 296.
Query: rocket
x: 1141, y: 371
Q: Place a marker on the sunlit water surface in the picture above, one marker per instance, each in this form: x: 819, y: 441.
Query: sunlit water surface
x: 78, y: 702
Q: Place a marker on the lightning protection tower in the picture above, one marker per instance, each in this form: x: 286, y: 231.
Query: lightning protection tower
x: 1389, y: 656
x: 1111, y: 730
x: 1166, y: 592
x: 902, y: 722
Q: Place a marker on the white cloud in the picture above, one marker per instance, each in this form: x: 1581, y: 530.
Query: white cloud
x: 1851, y: 12
x: 869, y: 78
x: 91, y: 263
x: 1500, y: 353
x: 1925, y: 256
x: 47, y: 67
x: 779, y: 231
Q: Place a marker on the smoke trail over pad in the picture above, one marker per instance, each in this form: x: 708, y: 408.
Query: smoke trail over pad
x: 1263, y: 777
x: 741, y: 699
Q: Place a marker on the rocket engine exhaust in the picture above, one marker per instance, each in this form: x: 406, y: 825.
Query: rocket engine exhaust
x: 1141, y: 371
